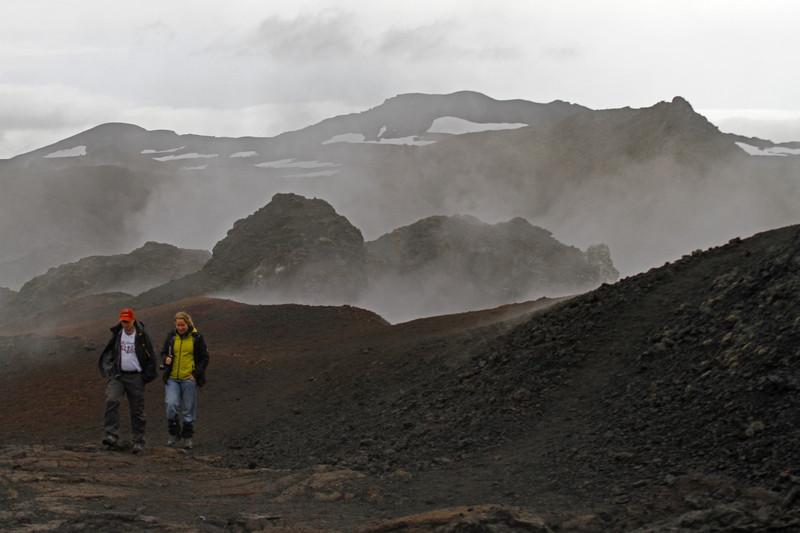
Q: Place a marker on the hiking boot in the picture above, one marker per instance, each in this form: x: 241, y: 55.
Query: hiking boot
x: 138, y: 447
x: 173, y: 440
x: 187, y: 443
x: 110, y: 440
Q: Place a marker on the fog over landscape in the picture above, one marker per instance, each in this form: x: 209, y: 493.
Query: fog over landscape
x: 649, y: 185
x: 460, y: 266
x: 245, y: 71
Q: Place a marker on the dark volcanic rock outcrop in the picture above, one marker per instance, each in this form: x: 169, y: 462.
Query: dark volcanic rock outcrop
x: 144, y: 268
x: 460, y: 262
x: 291, y: 249
x: 6, y: 295
x: 293, y: 246
x: 301, y: 250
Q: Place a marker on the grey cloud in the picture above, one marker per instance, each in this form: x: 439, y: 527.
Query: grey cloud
x: 16, y: 117
x: 415, y: 42
x: 436, y: 41
x: 327, y: 34
x: 154, y: 35
x: 561, y: 53
x: 53, y: 106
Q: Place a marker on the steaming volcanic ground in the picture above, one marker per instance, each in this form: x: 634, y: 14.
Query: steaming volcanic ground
x: 667, y: 401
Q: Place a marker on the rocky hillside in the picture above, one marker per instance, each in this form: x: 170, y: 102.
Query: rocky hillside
x: 144, y: 268
x: 298, y: 249
x: 293, y: 247
x: 686, y: 370
x: 446, y: 264
x: 687, y: 367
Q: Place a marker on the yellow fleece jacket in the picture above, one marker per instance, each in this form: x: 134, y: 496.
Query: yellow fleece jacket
x: 182, y: 357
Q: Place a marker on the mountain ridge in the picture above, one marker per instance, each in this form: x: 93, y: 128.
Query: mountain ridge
x: 588, y: 176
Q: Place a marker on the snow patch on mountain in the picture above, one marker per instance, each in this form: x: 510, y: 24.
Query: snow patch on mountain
x: 291, y: 163
x: 445, y: 125
x: 773, y: 150
x: 69, y: 152
x: 347, y: 138
x: 319, y: 174
x: 359, y: 138
x: 192, y: 155
x: 458, y: 126
x: 148, y: 151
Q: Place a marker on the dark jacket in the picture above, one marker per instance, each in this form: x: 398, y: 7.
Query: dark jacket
x: 200, y: 356
x: 109, y: 362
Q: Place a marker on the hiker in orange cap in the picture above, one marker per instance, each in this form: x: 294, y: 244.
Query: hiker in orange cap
x: 129, y: 363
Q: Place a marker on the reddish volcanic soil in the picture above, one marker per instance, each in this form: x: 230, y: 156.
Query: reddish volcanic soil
x: 261, y: 358
x: 267, y: 363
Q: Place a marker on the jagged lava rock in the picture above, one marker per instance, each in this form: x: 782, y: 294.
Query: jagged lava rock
x: 502, y: 262
x: 151, y: 265
x: 292, y: 246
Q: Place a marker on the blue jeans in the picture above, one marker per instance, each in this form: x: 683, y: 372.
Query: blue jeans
x: 177, y: 393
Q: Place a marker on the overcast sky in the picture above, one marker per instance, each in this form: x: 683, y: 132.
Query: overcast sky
x: 253, y: 67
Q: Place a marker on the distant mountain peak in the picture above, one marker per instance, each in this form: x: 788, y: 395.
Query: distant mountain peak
x: 681, y: 101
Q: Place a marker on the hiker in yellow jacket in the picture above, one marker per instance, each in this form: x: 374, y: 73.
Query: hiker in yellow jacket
x: 185, y: 359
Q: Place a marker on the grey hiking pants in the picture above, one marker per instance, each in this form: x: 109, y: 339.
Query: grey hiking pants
x: 129, y: 384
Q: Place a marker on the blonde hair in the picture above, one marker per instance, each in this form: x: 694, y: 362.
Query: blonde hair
x: 183, y: 315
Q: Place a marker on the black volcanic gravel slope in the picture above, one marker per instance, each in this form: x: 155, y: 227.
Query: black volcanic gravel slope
x: 691, y: 367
